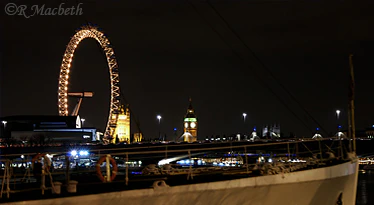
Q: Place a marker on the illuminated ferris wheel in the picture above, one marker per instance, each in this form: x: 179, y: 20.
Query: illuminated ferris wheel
x: 90, y: 32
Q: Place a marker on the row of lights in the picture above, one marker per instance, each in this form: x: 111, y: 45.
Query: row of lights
x: 245, y: 115
x: 159, y: 117
x: 74, y: 153
x: 5, y: 122
x: 68, y: 61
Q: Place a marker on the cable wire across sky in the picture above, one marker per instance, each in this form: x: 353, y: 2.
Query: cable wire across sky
x: 262, y: 64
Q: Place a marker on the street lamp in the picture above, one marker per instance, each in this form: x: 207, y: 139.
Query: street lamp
x: 4, y: 123
x: 337, y: 118
x: 159, y: 126
x: 244, y: 115
x: 337, y: 113
x: 83, y: 122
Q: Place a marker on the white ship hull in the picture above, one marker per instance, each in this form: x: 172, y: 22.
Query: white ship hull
x: 317, y: 186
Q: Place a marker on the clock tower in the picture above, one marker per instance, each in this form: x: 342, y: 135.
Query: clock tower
x: 190, y: 125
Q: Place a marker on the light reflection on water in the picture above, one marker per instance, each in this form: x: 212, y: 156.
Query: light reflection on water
x: 365, y: 188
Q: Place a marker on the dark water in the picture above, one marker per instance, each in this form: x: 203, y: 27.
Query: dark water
x: 365, y: 188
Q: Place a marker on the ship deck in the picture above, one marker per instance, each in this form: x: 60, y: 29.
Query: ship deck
x: 135, y: 178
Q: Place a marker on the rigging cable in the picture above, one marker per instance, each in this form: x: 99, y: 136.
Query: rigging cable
x: 264, y: 66
x: 250, y: 67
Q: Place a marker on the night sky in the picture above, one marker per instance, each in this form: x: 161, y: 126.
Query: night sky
x: 167, y: 52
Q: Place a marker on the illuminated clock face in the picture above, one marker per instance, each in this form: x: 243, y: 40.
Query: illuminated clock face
x: 186, y: 125
x: 193, y: 125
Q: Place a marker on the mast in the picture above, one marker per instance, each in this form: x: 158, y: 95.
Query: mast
x: 351, y: 107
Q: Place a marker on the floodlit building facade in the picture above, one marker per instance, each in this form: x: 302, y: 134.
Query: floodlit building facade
x: 122, y: 131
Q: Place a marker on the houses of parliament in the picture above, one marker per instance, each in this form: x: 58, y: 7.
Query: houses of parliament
x: 122, y: 131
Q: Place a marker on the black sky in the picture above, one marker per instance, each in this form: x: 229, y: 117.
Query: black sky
x: 166, y: 53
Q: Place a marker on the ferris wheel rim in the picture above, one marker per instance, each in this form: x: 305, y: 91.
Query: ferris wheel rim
x: 100, y: 37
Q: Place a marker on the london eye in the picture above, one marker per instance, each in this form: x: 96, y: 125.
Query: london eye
x: 83, y: 33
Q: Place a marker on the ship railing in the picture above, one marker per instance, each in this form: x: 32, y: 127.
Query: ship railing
x: 245, y: 152
x: 268, y: 142
x: 5, y: 182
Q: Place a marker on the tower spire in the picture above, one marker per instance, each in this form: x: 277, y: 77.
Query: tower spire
x: 190, y: 105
